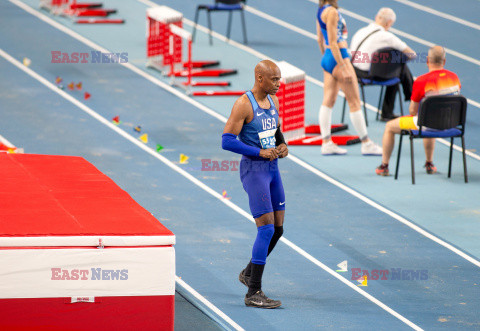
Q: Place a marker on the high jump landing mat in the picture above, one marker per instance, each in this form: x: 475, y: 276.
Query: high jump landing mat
x: 78, y: 252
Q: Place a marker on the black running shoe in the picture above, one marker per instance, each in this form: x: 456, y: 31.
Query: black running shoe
x: 260, y: 300
x: 431, y: 169
x: 243, y: 279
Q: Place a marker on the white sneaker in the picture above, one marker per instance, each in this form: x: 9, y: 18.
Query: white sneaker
x: 331, y: 148
x: 370, y: 148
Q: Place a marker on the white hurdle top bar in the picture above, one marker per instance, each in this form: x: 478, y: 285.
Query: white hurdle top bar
x: 164, y: 14
x: 290, y: 73
x: 180, y: 32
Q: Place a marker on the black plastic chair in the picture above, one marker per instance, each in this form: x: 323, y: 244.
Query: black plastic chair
x: 222, y: 5
x: 383, y: 72
x: 444, y: 117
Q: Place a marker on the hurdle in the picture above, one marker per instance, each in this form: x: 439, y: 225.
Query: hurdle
x: 74, y: 9
x: 291, y: 98
x: 100, y: 21
x: 56, y: 7
x: 165, y: 36
x: 89, y: 5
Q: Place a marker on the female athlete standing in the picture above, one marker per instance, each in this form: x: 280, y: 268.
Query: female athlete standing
x: 338, y: 73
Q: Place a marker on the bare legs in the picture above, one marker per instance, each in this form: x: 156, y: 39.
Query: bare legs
x: 333, y: 82
x: 391, y: 129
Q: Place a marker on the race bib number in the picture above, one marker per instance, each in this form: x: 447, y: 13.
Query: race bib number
x: 267, y: 138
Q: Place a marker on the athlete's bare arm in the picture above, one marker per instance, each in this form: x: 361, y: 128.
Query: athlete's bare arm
x: 320, y: 41
x: 241, y: 114
x: 413, y: 109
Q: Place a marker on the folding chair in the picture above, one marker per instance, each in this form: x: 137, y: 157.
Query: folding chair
x: 440, y: 116
x: 222, y: 5
x: 385, y: 71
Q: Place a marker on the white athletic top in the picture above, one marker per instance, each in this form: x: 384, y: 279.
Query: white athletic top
x: 376, y: 41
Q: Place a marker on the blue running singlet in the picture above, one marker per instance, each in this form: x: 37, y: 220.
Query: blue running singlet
x: 260, y: 132
x: 342, y: 32
x: 261, y: 177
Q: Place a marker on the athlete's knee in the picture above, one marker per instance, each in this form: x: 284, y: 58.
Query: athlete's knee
x: 266, y: 231
x: 267, y: 218
x: 328, y: 102
x: 393, y: 125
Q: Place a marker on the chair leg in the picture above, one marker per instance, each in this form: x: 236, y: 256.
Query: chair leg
x: 343, y: 110
x: 412, y: 160
x: 195, y: 24
x: 209, y: 19
x: 244, y: 27
x: 398, y: 155
x: 400, y: 99
x: 379, y: 102
x: 364, y: 104
x: 229, y: 24
x: 465, y: 174
x: 450, y: 158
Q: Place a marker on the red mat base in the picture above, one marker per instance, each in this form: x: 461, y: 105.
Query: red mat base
x: 315, y: 129
x: 217, y: 93
x: 202, y: 64
x: 208, y: 83
x: 86, y: 5
x: 100, y: 21
x: 206, y: 73
x: 314, y: 138
x: 317, y: 141
x: 96, y: 12
x: 106, y: 313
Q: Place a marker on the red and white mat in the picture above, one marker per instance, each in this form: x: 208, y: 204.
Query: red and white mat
x: 77, y: 251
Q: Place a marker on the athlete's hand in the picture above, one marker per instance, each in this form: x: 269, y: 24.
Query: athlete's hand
x: 270, y: 153
x: 347, y: 75
x: 282, y: 150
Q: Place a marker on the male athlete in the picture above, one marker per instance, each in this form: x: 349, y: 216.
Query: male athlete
x: 254, y: 119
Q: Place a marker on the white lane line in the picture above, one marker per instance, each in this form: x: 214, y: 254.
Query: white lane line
x: 122, y: 133
x: 197, y: 182
x: 4, y: 141
x: 224, y: 120
x: 384, y: 210
x: 207, y: 303
x: 408, y: 36
x: 281, y: 22
x: 439, y: 14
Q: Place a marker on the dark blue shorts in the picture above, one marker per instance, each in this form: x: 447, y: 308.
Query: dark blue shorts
x: 263, y: 184
x: 328, y: 61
